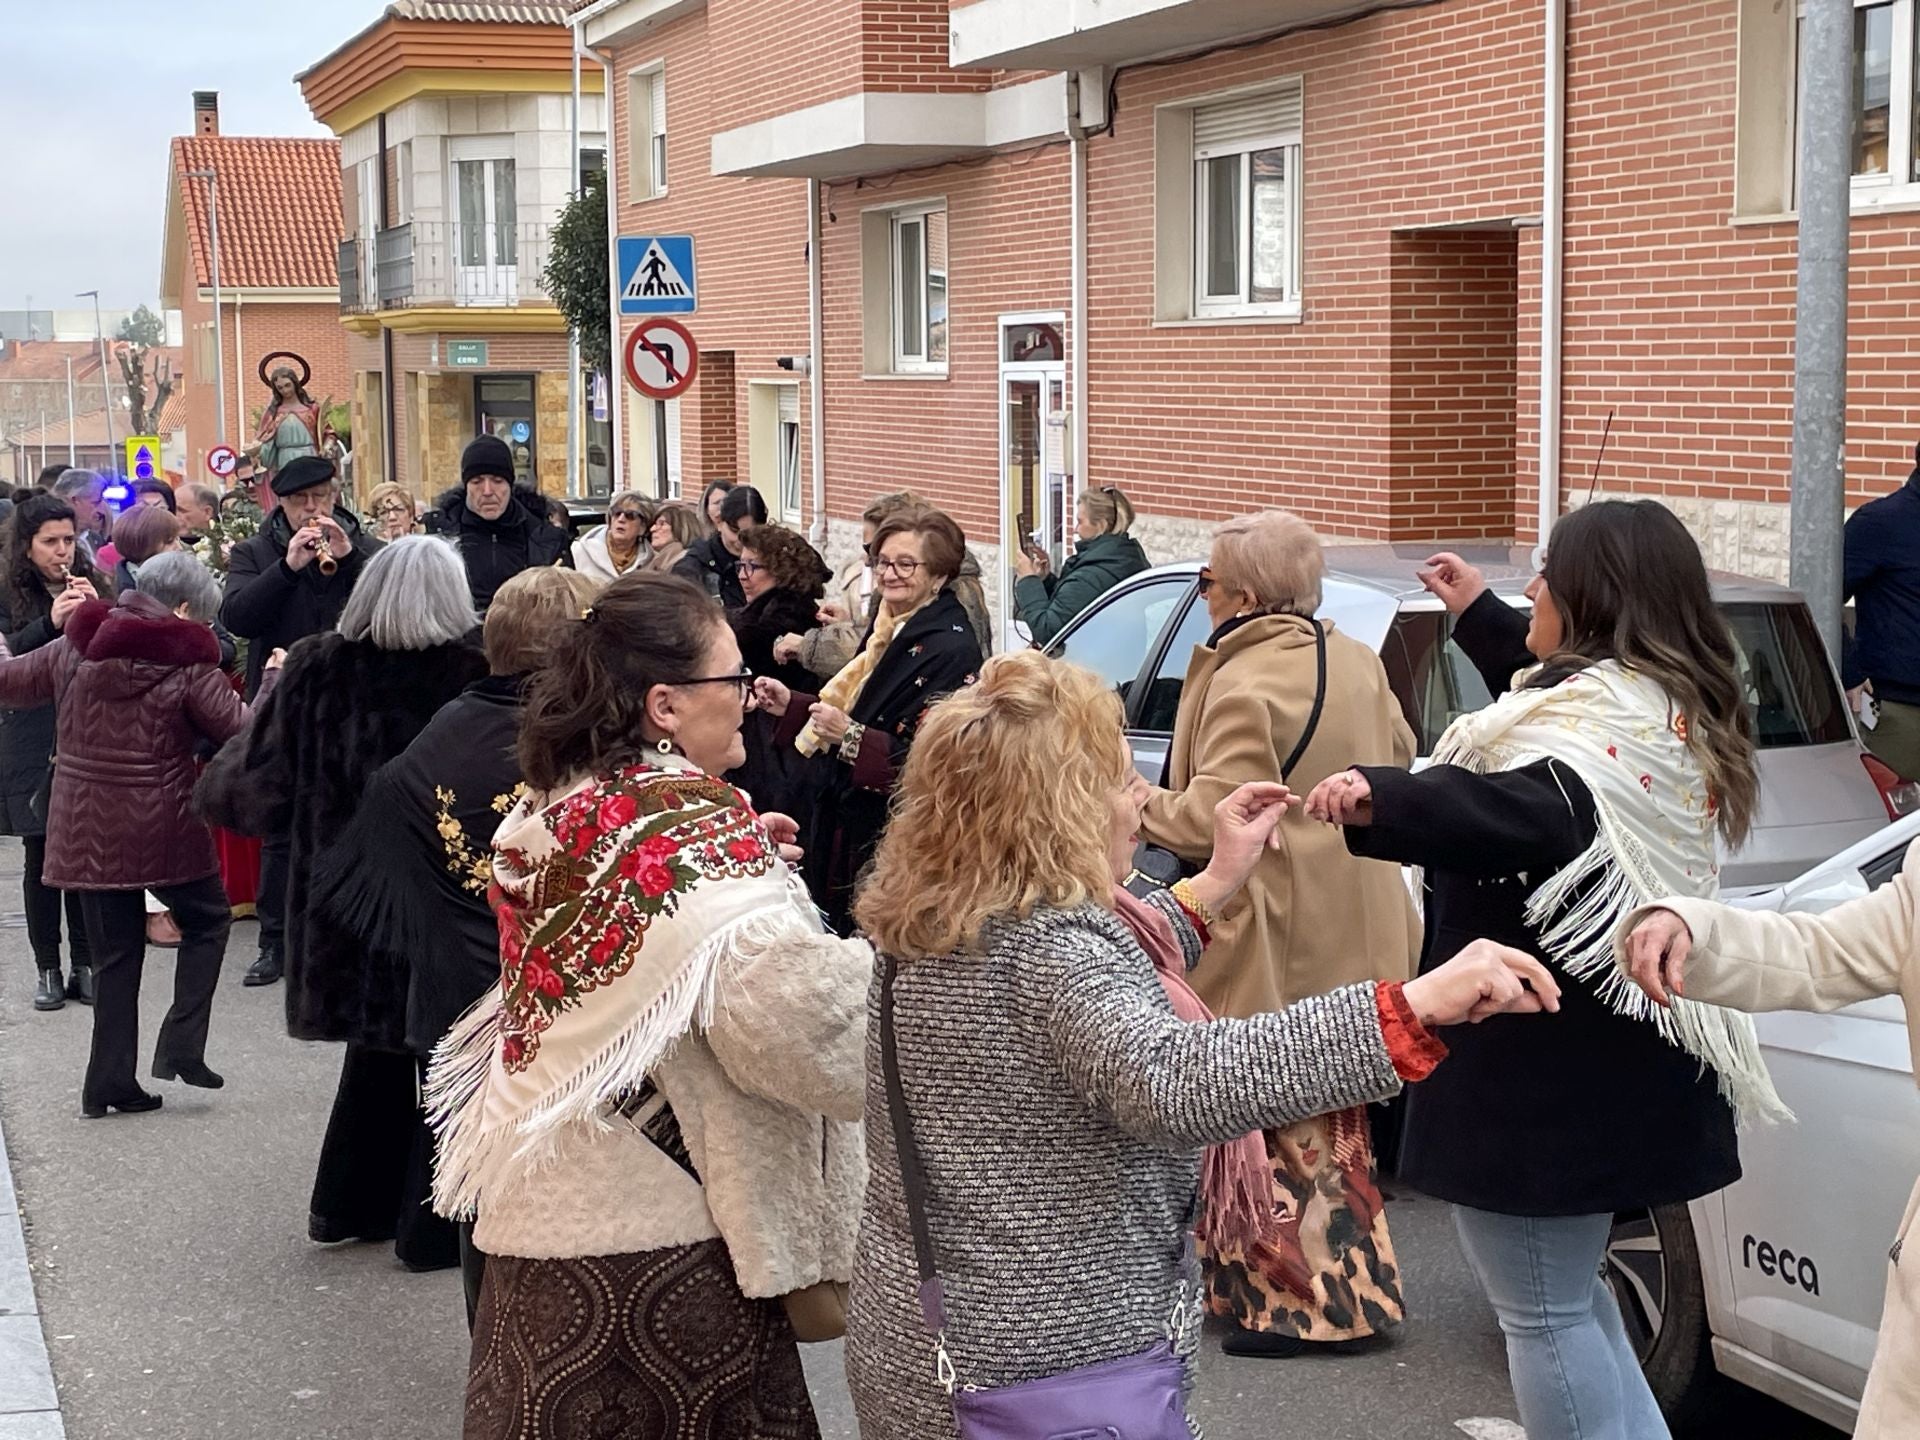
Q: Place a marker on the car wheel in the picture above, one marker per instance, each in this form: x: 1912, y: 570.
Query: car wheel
x: 1653, y: 1268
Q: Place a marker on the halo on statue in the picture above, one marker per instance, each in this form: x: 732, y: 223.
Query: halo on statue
x: 306, y: 370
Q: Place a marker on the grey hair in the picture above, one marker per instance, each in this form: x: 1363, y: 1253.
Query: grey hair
x: 207, y: 495
x: 76, y: 482
x: 412, y: 596
x: 1274, y: 556
x: 176, y: 578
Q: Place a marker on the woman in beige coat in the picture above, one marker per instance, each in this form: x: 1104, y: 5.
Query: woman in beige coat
x: 1316, y: 918
x: 1755, y: 961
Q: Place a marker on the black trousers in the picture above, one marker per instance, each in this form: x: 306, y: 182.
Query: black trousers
x: 117, y: 925
x: 270, y: 903
x: 42, y: 905
x: 376, y: 1163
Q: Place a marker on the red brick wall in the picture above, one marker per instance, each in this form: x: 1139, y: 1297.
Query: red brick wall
x: 310, y: 330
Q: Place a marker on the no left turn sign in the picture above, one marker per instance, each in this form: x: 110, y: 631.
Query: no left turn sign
x: 662, y: 358
x: 222, y: 461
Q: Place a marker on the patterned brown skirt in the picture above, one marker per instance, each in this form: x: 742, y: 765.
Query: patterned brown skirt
x: 659, y: 1345
x: 1331, y: 1274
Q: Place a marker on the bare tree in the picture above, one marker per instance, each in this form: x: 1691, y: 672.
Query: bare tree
x: 133, y: 366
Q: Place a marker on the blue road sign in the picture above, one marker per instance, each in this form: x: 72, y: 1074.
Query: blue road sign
x: 657, y: 276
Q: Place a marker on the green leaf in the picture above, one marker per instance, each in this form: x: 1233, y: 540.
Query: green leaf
x: 578, y: 276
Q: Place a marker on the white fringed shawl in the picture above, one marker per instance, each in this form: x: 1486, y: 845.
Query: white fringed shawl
x: 624, y: 904
x: 1618, y: 732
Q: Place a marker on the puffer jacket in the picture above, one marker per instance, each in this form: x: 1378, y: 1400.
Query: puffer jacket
x: 497, y: 550
x: 137, y: 689
x: 1046, y: 602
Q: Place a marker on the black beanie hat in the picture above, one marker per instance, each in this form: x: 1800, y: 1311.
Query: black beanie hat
x: 302, y: 474
x: 486, y: 455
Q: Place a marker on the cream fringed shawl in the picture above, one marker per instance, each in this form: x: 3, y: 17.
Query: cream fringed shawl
x: 1618, y: 731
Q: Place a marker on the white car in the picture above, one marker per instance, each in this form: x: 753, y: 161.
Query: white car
x: 1777, y: 1281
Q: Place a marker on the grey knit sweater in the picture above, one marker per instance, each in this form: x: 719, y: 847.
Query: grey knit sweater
x: 1060, y: 1108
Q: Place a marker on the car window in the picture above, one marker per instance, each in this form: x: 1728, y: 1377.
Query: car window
x: 1112, y: 639
x: 1163, y: 695
x: 1783, y: 668
x: 1880, y: 871
x: 1430, y: 675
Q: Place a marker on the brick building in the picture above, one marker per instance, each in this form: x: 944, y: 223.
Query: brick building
x: 455, y: 159
x: 279, y: 211
x: 1229, y: 255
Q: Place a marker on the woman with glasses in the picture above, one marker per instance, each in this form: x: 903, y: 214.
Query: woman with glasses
x: 609, y: 551
x: 860, y: 726
x: 1271, y: 686
x: 392, y: 512
x: 653, y: 1115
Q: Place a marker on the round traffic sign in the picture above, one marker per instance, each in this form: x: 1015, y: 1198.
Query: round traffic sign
x: 222, y: 461
x: 662, y: 358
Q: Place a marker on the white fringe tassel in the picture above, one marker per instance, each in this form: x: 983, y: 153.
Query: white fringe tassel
x: 471, y: 1159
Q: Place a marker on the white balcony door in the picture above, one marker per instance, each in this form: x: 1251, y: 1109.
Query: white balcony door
x: 486, y: 234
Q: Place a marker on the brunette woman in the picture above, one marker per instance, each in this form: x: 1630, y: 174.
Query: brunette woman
x: 860, y: 726
x: 676, y: 525
x: 780, y: 574
x: 45, y: 575
x: 1596, y: 786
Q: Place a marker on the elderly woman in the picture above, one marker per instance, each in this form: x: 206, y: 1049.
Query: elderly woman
x: 350, y: 701
x: 141, y: 532
x: 653, y: 1115
x: 1105, y: 556
x: 676, y: 525
x: 45, y: 575
x: 391, y: 510
x: 826, y: 642
x: 609, y: 551
x: 120, y: 820
x: 1276, y: 694
x: 1056, y: 1078
x: 860, y: 726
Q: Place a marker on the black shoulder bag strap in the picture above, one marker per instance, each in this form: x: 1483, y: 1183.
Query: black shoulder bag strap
x: 913, y: 1176
x: 1319, y: 701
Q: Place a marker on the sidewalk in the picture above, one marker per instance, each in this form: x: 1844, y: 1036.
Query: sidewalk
x: 29, y: 1408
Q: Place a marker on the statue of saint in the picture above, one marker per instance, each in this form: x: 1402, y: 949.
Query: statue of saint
x: 292, y: 425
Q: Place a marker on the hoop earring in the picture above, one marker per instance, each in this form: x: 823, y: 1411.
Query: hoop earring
x: 664, y: 745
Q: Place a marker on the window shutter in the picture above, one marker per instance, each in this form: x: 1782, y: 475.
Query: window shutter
x: 789, y: 404
x: 1248, y: 122
x: 658, y: 85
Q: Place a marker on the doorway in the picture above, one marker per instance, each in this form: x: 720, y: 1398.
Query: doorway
x: 1036, y: 486
x: 504, y: 405
x: 486, y: 236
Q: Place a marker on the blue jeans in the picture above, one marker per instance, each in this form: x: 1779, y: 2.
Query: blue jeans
x: 1574, y: 1373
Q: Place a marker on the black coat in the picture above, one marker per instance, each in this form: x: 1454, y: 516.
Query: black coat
x: 27, y: 736
x: 710, y: 565
x: 776, y: 777
x: 1577, y: 1113
x: 414, y: 891
x: 934, y: 654
x: 342, y: 709
x: 275, y: 606
x: 494, y: 551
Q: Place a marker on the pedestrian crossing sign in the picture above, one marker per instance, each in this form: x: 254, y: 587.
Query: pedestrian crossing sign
x: 657, y: 275
x: 143, y: 457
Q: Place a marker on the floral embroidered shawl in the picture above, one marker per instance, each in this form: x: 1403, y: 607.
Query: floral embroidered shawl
x: 621, y: 902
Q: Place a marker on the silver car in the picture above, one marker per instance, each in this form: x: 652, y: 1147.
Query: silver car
x: 1820, y: 791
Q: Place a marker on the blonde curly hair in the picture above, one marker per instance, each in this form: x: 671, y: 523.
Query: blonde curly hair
x: 1004, y: 806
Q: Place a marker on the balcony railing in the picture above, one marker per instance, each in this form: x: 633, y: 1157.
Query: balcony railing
x: 436, y: 262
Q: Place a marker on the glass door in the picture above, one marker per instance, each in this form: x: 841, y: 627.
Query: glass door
x: 506, y: 410
x: 486, y: 236
x: 1036, y: 486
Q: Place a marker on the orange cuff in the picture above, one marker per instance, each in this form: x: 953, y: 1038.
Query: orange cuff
x: 1414, y: 1049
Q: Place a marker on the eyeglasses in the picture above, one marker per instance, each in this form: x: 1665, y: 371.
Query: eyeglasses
x: 381, y: 512
x: 743, y: 681
x: 903, y: 568
x: 747, y: 569
x: 1206, y: 580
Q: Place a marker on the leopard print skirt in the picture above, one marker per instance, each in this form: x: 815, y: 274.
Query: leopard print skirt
x: 1331, y: 1273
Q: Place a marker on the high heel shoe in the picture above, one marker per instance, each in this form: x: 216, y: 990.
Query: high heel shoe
x: 137, y: 1103
x: 188, y: 1072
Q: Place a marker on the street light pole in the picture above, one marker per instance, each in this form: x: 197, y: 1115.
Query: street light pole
x: 73, y: 457
x: 106, y: 383
x: 212, y: 178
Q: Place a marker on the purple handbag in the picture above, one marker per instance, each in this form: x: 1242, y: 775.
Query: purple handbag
x: 1133, y: 1397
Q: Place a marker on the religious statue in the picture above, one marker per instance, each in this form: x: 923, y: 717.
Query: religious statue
x: 292, y: 425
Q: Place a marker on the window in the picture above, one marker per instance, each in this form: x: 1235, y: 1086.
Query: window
x: 1163, y: 691
x: 788, y: 451
x: 647, y: 132
x: 1886, y: 121
x: 1113, y: 639
x: 1246, y: 204
x: 920, y: 290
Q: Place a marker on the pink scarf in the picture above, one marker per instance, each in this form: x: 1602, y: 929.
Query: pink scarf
x: 1236, y: 1185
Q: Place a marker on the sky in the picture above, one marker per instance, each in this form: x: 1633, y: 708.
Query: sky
x: 92, y: 91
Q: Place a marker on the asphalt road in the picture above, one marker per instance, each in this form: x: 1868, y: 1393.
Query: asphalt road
x: 182, y: 1299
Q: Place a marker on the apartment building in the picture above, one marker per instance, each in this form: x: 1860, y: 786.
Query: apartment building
x: 1230, y: 255
x: 456, y: 128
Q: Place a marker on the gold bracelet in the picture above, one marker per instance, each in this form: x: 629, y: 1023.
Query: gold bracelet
x: 1183, y: 892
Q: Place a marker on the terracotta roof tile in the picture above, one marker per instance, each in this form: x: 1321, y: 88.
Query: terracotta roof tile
x: 173, y: 415
x: 279, y: 210
x: 89, y: 429
x: 47, y: 360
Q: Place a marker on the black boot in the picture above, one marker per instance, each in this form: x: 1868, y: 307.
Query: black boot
x: 266, y: 968
x: 80, y: 984
x: 189, y: 1072
x: 50, y: 993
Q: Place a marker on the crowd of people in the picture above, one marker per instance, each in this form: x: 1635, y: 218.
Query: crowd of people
x: 722, y: 938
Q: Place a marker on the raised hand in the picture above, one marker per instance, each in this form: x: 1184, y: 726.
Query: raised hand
x: 1453, y: 580
x: 774, y: 697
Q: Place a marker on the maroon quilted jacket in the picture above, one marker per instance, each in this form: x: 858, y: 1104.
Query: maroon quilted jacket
x: 136, y: 689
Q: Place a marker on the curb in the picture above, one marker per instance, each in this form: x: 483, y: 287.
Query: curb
x: 29, y: 1404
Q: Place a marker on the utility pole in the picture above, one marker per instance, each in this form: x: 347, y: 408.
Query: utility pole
x: 212, y: 178
x: 73, y: 457
x: 106, y: 381
x: 1819, y: 505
